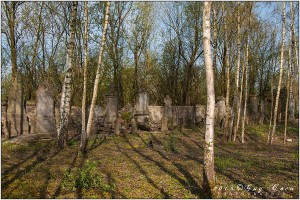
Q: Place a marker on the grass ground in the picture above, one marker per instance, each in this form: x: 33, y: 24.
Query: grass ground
x: 128, y: 167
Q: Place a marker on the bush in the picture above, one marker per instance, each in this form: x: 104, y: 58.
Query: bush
x: 86, y: 178
x: 127, y: 116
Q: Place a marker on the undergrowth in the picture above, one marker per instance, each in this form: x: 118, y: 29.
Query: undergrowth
x: 85, y: 177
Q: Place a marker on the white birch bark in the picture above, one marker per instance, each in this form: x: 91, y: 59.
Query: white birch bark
x: 280, y: 75
x: 98, y: 73
x: 83, y: 143
x: 208, y: 172
x: 66, y: 90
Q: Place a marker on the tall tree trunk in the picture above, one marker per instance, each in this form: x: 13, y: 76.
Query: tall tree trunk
x: 215, y: 38
x: 272, y: 99
x: 246, y: 76
x: 280, y: 75
x: 241, y: 95
x: 83, y: 143
x: 226, y: 55
x: 208, y: 170
x: 294, y: 59
x: 98, y: 73
x: 287, y: 94
x: 66, y: 90
x: 236, y: 104
x: 10, y: 12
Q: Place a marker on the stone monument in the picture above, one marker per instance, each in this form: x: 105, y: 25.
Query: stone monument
x: 45, y: 121
x: 15, y: 110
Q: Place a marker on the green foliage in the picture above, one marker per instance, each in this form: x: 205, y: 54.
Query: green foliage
x: 170, y: 144
x: 224, y: 163
x: 127, y: 116
x: 86, y: 178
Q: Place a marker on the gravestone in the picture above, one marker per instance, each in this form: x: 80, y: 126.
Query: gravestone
x: 45, y: 121
x: 117, y: 126
x: 291, y: 108
x: 133, y: 125
x: 31, y: 114
x: 164, y: 124
x: 15, y: 110
x: 111, y: 106
x: 168, y: 107
x: 4, y: 128
x: 220, y: 111
x: 141, y: 107
x: 200, y: 114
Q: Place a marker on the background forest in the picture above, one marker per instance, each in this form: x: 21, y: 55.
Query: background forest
x: 152, y: 45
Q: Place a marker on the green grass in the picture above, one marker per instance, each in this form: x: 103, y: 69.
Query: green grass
x: 127, y: 167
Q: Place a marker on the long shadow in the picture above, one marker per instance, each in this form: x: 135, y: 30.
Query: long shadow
x: 192, y: 184
x: 265, y: 194
x: 115, y: 193
x: 95, y: 144
x: 79, y: 189
x: 15, y: 166
x: 43, y: 190
x: 142, y: 171
x: 194, y: 190
x: 19, y: 174
x: 58, y: 189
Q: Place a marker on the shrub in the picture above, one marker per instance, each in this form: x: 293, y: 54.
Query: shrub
x: 86, y: 178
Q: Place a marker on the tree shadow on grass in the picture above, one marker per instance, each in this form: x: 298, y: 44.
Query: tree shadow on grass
x: 59, y: 187
x: 142, y: 171
x: 40, y: 158
x: 188, y: 182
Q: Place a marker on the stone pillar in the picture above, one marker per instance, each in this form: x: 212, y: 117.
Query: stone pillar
x: 167, y: 115
x: 133, y: 125
x: 15, y: 110
x: 141, y: 107
x: 111, y: 107
x: 45, y: 117
x: 291, y: 108
x: 31, y: 114
x: 200, y: 114
x: 220, y: 111
x: 4, y: 128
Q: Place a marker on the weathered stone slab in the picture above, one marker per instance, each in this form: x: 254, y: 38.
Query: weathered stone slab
x: 15, y: 110
x: 141, y: 107
x: 45, y: 111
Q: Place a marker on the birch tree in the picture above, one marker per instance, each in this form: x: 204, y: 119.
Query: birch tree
x: 99, y: 73
x: 226, y: 62
x: 208, y: 170
x: 280, y: 75
x: 236, y: 103
x: 83, y: 143
x: 246, y: 75
x: 288, y: 89
x: 10, y: 10
x: 66, y: 90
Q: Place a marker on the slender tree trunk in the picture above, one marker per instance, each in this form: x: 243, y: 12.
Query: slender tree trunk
x: 294, y: 58
x: 208, y: 170
x: 246, y: 76
x: 66, y: 90
x: 215, y: 39
x: 98, y: 73
x: 287, y: 95
x: 226, y: 132
x: 237, y: 77
x: 241, y: 95
x: 272, y: 102
x: 83, y: 143
x: 280, y: 75
x: 10, y: 12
